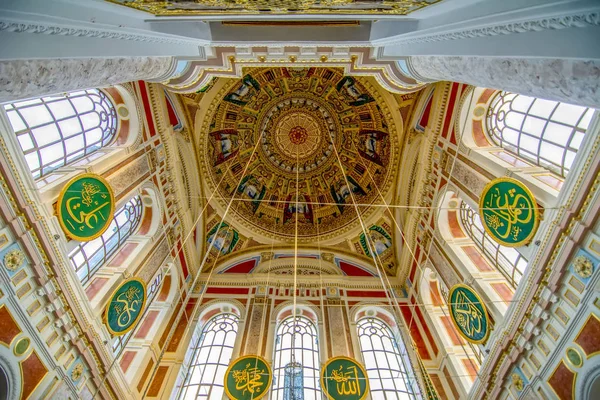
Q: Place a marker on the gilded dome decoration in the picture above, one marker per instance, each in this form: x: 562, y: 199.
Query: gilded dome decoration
x: 313, y: 132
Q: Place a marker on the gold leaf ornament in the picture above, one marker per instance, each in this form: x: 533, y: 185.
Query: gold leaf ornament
x: 583, y: 266
x: 13, y: 259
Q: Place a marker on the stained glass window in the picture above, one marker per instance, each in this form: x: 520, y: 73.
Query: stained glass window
x: 57, y: 130
x: 390, y: 373
x: 210, y: 358
x: 508, y: 260
x: 545, y: 132
x: 88, y: 257
x: 296, y: 341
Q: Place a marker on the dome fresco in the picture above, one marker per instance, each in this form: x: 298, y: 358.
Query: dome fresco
x: 279, y: 132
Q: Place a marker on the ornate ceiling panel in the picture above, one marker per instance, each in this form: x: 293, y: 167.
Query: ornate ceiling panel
x: 276, y: 7
x: 312, y: 132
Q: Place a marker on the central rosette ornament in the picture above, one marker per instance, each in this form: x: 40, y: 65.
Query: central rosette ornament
x: 298, y: 135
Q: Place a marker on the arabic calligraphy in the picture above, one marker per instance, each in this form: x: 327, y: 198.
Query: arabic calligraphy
x: 248, y: 379
x: 85, y: 207
x: 125, y: 306
x: 344, y: 378
x: 508, y: 211
x: 468, y: 313
x: 347, y: 382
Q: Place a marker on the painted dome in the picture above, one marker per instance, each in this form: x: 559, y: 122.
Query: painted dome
x: 314, y: 133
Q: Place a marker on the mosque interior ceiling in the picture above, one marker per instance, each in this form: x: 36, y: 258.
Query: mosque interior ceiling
x: 292, y: 153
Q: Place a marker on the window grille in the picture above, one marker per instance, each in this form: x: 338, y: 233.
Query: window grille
x: 88, y: 257
x: 389, y: 370
x: 545, y: 132
x: 58, y: 130
x: 506, y: 259
x: 211, y: 355
x: 297, y: 341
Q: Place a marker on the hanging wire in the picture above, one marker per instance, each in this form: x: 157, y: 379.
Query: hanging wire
x: 177, y: 253
x: 331, y: 203
x: 199, y: 273
x: 379, y: 268
x: 378, y: 265
x: 418, y: 265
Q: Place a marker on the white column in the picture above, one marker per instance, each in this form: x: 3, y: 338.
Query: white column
x: 569, y: 80
x: 22, y: 79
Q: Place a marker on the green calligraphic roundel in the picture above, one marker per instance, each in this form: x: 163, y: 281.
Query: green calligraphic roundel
x: 469, y: 314
x: 508, y: 211
x: 125, y: 306
x: 343, y: 378
x: 85, y: 207
x: 248, y: 378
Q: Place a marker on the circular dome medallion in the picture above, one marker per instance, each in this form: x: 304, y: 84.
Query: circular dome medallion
x: 298, y: 135
x: 297, y: 132
x: 311, y: 134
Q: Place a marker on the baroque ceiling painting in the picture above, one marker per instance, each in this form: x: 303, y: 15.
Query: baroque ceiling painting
x: 249, y: 7
x: 299, y: 149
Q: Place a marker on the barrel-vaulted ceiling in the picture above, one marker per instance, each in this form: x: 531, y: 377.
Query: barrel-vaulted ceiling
x: 300, y: 150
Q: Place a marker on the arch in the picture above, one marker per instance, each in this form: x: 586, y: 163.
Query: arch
x: 546, y: 133
x: 59, y: 130
x: 88, y: 257
x: 217, y: 306
x: 386, y: 360
x: 305, y: 308
x: 296, y: 341
x: 470, y: 258
x: 71, y: 143
x: 152, y: 202
x: 305, y: 266
x: 12, y: 374
x: 507, y: 260
x: 209, y: 357
x: 532, y: 138
x: 587, y: 384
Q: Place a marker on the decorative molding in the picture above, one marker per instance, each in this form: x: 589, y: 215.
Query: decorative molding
x: 537, y: 25
x: 46, y: 29
x: 230, y: 62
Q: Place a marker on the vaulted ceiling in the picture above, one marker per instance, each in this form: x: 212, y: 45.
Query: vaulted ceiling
x: 299, y: 142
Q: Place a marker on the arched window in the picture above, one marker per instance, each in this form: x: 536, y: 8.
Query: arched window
x: 508, y: 260
x: 88, y: 257
x: 211, y: 356
x: 389, y: 370
x: 58, y: 130
x: 544, y: 132
x: 296, y: 341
